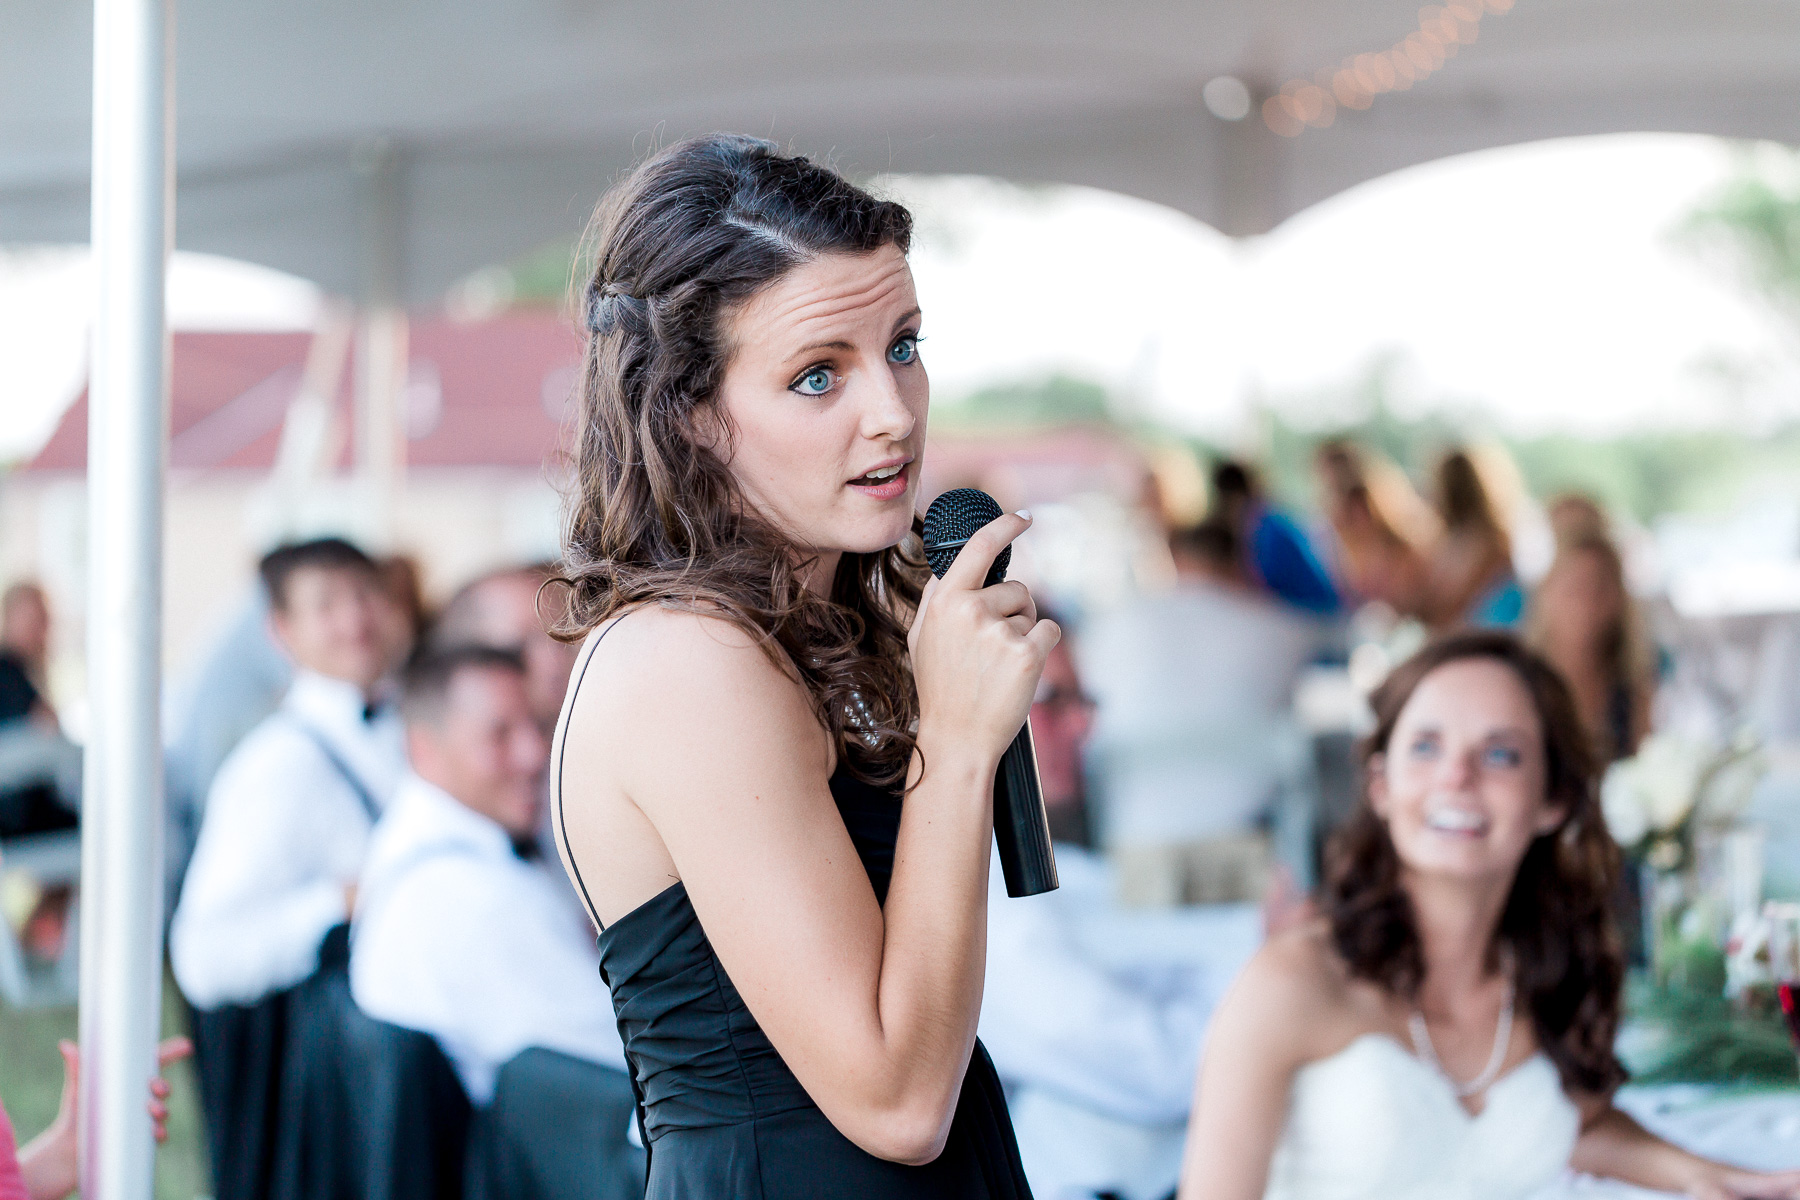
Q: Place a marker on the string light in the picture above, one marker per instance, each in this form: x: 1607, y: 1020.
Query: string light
x: 1359, y: 79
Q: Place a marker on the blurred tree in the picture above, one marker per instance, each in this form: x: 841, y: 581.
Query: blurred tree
x: 1751, y: 224
x: 1054, y: 400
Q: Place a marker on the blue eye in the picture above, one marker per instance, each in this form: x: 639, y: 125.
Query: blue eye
x: 1503, y: 756
x: 905, y: 349
x: 815, y: 382
x: 1425, y: 745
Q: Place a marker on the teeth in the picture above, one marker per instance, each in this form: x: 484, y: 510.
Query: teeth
x: 1453, y: 820
x: 885, y: 472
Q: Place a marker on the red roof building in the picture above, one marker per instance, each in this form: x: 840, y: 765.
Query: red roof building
x: 485, y: 393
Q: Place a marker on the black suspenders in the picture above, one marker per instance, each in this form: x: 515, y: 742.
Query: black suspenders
x: 350, y: 777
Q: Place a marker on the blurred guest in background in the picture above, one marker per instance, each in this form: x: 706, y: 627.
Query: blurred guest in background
x: 283, y: 836
x: 1472, y: 580
x: 1094, y: 1014
x: 1194, y: 688
x: 1277, y: 553
x: 25, y: 635
x: 463, y: 931
x: 1383, y: 529
x: 1577, y: 517
x: 288, y: 817
x: 1062, y: 718
x: 237, y: 681
x: 511, y: 609
x: 406, y: 615
x: 1584, y: 621
x: 39, y: 768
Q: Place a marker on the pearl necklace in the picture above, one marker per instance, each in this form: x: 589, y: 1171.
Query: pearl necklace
x: 1421, y: 1040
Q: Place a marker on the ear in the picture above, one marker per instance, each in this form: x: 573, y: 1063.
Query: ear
x: 278, y: 629
x: 705, y: 427
x: 421, y: 747
x: 1376, y: 778
x: 1550, y: 819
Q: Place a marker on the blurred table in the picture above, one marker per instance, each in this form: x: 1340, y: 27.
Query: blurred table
x: 1759, y: 1130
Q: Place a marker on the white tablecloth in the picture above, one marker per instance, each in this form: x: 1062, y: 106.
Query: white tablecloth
x: 1760, y: 1130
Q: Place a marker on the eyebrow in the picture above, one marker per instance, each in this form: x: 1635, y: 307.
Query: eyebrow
x: 843, y: 345
x: 1516, y: 731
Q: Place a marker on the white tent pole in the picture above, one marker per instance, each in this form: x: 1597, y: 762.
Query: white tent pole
x: 122, y: 824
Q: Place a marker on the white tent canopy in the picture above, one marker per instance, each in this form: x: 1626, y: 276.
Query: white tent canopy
x: 471, y: 132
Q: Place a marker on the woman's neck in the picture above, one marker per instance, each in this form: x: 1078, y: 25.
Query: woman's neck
x: 817, y: 572
x: 1456, y: 923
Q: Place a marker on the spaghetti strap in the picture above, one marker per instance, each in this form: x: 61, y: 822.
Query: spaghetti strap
x: 562, y: 746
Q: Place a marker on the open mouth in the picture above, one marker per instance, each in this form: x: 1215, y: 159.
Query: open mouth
x: 883, y: 483
x: 1458, y: 821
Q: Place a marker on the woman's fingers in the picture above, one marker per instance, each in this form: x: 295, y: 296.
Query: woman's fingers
x: 71, y: 1093
x: 1758, y: 1185
x: 1010, y: 599
x: 970, y: 569
x: 918, y: 621
x: 1044, y: 635
x: 173, y: 1050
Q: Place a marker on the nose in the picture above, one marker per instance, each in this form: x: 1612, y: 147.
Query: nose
x: 1457, y: 769
x: 886, y: 414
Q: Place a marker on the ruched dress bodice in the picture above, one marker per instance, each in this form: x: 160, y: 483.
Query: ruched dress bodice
x: 722, y: 1114
x: 1374, y: 1122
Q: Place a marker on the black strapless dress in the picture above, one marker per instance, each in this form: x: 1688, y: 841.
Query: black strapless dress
x: 722, y: 1114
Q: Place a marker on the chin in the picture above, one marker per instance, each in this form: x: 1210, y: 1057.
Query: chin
x: 870, y: 537
x: 1472, y: 864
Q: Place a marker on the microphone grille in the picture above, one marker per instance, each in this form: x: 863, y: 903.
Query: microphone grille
x: 950, y: 521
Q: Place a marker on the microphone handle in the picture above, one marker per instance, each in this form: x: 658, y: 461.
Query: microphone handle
x: 1020, y: 825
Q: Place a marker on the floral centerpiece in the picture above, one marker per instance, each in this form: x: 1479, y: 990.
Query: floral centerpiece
x: 1676, y: 804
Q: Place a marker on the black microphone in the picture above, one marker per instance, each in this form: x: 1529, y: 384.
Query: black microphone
x: 1020, y: 825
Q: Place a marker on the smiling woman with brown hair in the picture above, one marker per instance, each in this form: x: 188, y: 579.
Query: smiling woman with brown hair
x: 1446, y: 1028
x: 794, y: 940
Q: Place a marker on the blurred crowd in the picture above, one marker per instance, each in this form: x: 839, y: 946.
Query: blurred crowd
x: 387, y: 965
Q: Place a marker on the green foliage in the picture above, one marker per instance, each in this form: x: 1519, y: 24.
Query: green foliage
x: 1056, y: 400
x: 1752, y: 222
x: 1691, y: 1037
x: 542, y: 277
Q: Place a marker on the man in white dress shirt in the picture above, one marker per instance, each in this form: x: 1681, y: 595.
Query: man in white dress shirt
x: 273, y: 874
x: 1194, y: 745
x: 1094, y: 1013
x: 463, y: 930
x: 288, y: 816
x: 509, y: 609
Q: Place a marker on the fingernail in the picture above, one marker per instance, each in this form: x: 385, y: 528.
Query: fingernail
x: 1024, y: 512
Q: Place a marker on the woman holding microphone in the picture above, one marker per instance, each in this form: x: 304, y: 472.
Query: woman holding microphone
x: 775, y: 768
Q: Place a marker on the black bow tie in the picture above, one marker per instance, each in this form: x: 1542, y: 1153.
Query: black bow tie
x: 527, y: 848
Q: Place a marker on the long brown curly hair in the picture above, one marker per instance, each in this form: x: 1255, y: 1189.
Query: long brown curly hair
x: 678, y: 246
x: 1558, y: 920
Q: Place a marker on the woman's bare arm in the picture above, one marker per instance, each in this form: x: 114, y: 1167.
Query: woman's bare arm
x: 1271, y: 1022
x: 1614, y: 1146
x: 718, y: 747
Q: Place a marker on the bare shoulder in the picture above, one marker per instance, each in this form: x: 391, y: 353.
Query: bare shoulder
x: 654, y: 655
x: 1298, y: 969
x: 660, y: 681
x: 1294, y: 992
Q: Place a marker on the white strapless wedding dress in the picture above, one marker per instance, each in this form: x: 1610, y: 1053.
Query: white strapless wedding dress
x: 1374, y: 1122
